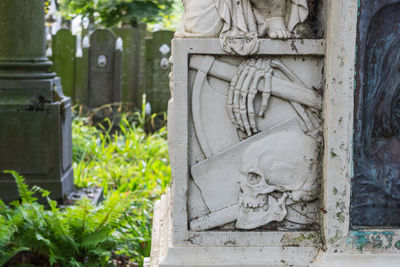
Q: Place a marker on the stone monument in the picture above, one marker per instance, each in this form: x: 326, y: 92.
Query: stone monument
x: 261, y: 136
x: 104, y: 69
x: 35, y: 116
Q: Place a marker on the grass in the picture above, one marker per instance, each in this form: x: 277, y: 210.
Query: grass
x: 80, y: 235
x: 127, y: 162
x: 133, y: 169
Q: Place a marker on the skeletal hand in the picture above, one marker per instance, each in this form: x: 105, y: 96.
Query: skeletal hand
x: 242, y: 92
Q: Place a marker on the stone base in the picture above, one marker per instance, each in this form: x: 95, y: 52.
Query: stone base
x: 94, y: 194
x: 361, y: 260
x: 164, y: 253
x: 59, y: 189
x: 36, y: 140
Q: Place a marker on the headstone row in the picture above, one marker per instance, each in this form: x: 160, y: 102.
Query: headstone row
x: 141, y: 68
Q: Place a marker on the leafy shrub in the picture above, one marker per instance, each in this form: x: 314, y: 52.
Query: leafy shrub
x: 126, y: 162
x: 133, y: 169
x: 79, y: 235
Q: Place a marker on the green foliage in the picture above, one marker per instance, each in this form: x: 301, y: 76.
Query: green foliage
x: 112, y: 12
x: 133, y: 169
x: 79, y: 235
x: 171, y: 20
x: 128, y: 162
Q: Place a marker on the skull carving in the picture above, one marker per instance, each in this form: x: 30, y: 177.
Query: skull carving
x: 279, y: 167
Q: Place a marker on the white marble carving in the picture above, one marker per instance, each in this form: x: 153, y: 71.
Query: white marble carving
x: 239, y: 23
x: 255, y: 165
x: 243, y: 90
x: 242, y: 198
x: 282, y: 163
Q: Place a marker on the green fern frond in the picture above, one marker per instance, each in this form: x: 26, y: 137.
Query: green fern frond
x: 92, y: 240
x: 25, y: 194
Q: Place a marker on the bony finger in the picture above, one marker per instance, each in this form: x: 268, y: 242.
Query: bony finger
x: 237, y: 96
x: 250, y: 100
x: 266, y: 92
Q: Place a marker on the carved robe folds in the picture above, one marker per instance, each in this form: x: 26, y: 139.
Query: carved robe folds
x: 239, y: 23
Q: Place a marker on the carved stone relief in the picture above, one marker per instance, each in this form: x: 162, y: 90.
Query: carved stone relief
x: 255, y: 145
x: 239, y: 23
x: 376, y: 184
x: 245, y: 136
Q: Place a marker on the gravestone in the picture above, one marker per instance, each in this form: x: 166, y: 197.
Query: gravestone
x: 82, y: 77
x: 133, y: 63
x: 158, y: 69
x: 104, y: 69
x: 35, y: 116
x: 64, y: 51
x: 141, y: 35
x: 129, y: 63
x: 283, y: 146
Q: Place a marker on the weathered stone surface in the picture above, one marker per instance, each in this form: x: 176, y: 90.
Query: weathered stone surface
x: 238, y: 24
x: 22, y: 55
x: 35, y: 116
x: 158, y: 69
x: 25, y: 38
x: 82, y: 78
x: 130, y: 61
x: 343, y: 246
x: 376, y: 184
x: 133, y: 63
x: 215, y: 169
x: 64, y: 51
x: 36, y: 140
x: 104, y: 70
x: 206, y: 145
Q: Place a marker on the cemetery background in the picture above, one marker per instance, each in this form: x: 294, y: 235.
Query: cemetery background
x: 141, y: 68
x: 130, y: 162
x: 130, y: 165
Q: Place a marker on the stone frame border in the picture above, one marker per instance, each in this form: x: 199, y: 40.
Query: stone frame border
x: 176, y: 246
x: 178, y: 140
x: 345, y: 246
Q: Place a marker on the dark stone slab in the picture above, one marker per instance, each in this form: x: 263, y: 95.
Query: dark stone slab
x: 35, y: 138
x: 375, y: 200
x: 104, y: 70
x: 64, y: 50
x: 94, y: 194
x: 158, y: 92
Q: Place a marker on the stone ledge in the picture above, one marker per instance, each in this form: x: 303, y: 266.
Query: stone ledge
x: 312, y: 47
x: 362, y: 260
x: 165, y: 254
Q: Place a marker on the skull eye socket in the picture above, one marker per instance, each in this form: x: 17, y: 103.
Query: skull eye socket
x: 254, y: 178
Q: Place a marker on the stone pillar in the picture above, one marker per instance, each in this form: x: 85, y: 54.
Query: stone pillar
x: 35, y: 116
x: 22, y: 49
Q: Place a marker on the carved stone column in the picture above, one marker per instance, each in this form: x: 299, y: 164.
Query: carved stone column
x: 35, y: 116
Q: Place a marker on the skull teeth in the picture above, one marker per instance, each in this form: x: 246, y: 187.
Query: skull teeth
x: 254, y: 205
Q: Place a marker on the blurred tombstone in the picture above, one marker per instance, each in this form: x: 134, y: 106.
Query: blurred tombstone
x: 141, y: 70
x: 148, y: 65
x: 82, y: 73
x: 158, y: 69
x: 63, y: 56
x: 104, y: 70
x: 133, y: 63
x: 129, y: 83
